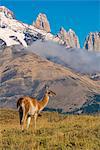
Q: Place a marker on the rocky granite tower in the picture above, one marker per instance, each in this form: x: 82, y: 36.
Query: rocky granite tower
x: 70, y: 39
x: 92, y: 42
x: 42, y: 22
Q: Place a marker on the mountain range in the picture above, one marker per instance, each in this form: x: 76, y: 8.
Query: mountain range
x: 14, y: 32
x: 32, y: 57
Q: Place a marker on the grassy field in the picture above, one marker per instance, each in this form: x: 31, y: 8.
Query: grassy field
x: 54, y: 132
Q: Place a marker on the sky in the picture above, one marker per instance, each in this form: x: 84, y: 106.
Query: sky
x: 83, y: 16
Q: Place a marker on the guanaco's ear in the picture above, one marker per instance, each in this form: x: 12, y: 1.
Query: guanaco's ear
x: 46, y: 87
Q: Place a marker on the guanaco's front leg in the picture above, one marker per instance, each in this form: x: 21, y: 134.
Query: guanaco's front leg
x: 28, y: 121
x: 35, y: 118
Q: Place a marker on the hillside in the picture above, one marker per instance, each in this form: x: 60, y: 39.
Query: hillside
x: 24, y: 73
x: 54, y: 131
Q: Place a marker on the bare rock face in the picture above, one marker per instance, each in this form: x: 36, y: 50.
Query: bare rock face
x: 92, y: 42
x: 69, y: 38
x: 42, y: 23
x: 6, y: 12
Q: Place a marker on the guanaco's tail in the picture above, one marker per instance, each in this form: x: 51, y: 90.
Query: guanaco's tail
x: 21, y: 109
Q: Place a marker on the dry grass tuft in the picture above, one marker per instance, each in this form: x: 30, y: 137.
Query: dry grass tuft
x: 54, y: 132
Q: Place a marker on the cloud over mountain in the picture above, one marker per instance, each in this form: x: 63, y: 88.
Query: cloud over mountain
x: 80, y: 60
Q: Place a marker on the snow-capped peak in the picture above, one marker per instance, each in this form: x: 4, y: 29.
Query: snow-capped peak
x: 5, y: 11
x: 71, y: 31
x: 18, y: 32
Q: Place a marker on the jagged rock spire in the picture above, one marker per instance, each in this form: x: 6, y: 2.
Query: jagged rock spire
x: 42, y: 22
x: 69, y: 38
x: 92, y: 42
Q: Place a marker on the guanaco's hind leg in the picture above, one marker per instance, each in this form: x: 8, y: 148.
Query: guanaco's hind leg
x: 23, y: 123
x: 21, y: 118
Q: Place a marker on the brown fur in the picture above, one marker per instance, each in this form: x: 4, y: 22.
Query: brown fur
x: 25, y: 103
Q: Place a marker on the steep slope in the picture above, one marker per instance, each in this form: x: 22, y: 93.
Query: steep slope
x: 25, y: 73
x: 11, y: 37
x: 92, y: 42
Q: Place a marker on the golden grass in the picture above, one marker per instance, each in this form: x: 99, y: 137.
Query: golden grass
x: 54, y: 132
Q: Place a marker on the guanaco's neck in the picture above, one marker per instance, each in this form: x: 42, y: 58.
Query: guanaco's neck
x: 43, y: 102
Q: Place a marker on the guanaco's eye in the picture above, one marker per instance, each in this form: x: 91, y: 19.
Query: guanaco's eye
x: 48, y: 92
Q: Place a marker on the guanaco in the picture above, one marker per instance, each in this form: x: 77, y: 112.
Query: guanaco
x: 28, y: 107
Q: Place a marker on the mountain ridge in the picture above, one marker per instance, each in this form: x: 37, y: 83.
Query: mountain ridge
x: 26, y: 34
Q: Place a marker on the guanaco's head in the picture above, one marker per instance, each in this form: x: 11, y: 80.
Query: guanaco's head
x: 49, y: 92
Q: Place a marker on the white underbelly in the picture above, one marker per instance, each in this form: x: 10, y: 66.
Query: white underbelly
x: 32, y: 110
